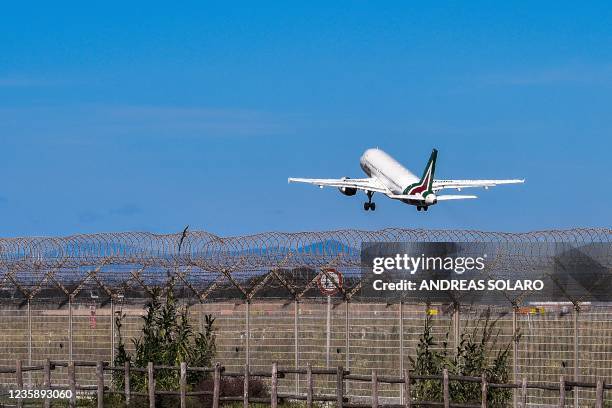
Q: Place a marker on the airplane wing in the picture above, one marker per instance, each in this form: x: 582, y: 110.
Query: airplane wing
x: 438, y: 197
x: 454, y: 197
x: 459, y: 184
x: 366, y: 184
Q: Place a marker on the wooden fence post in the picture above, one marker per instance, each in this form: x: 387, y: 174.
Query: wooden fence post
x: 19, y: 380
x: 216, y: 385
x: 72, y: 384
x: 126, y: 382
x: 445, y: 388
x: 407, y: 395
x: 483, y: 398
x: 561, y: 392
x: 274, y: 381
x: 47, y: 381
x: 524, y: 393
x: 599, y: 394
x: 339, y: 387
x: 245, y: 396
x: 309, y: 386
x: 151, y: 380
x: 183, y: 384
x: 374, y: 389
x: 100, y: 378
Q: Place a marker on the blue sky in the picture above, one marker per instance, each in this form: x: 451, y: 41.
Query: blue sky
x: 143, y: 116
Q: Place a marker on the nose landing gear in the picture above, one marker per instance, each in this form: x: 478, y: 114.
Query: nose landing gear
x: 422, y: 207
x: 369, y: 205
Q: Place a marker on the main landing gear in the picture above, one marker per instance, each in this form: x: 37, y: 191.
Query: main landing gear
x: 369, y: 205
x: 422, y: 207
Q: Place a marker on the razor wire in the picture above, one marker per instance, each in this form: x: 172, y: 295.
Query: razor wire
x: 208, y: 266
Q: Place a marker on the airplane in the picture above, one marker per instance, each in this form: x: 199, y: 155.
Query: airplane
x: 389, y: 177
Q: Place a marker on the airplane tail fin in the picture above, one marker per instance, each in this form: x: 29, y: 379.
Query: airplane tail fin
x: 424, y: 185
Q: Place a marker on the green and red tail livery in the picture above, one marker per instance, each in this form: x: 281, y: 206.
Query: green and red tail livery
x: 424, y: 186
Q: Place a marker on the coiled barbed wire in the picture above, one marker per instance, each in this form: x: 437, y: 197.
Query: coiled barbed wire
x: 31, y: 264
x: 255, y: 250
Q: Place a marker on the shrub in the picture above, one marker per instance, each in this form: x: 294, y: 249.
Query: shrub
x: 167, y: 338
x: 474, y: 356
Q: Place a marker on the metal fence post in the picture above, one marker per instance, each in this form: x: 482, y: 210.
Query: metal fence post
x: 456, y: 324
x: 29, y: 342
x: 401, y: 347
x: 347, y: 345
x: 347, y: 333
x: 296, y: 311
x: 328, y: 333
x: 112, y: 322
x: 248, y: 331
x: 514, y: 355
x: 576, y: 351
x: 70, y: 328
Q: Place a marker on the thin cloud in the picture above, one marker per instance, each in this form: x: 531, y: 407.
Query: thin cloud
x: 154, y: 121
x: 219, y: 121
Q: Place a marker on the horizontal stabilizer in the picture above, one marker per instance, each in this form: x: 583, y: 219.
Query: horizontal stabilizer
x: 405, y: 196
x: 455, y: 197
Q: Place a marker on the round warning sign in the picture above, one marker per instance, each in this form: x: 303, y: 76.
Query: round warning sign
x: 330, y: 281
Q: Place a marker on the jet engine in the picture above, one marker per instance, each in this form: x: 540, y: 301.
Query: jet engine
x: 431, y: 199
x: 347, y: 191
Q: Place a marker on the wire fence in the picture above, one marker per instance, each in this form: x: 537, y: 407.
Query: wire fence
x: 371, y: 336
x: 58, y: 298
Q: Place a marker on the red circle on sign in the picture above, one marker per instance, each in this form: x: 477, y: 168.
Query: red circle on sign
x: 325, y: 283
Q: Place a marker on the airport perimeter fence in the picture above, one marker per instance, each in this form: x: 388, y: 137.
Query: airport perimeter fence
x: 59, y: 298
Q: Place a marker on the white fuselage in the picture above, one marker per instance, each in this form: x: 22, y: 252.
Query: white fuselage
x: 376, y: 163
